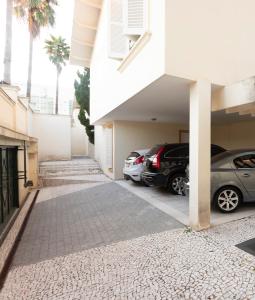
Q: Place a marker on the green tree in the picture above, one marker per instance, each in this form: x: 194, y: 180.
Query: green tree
x: 82, y: 94
x: 8, y: 42
x: 58, y: 52
x: 37, y: 14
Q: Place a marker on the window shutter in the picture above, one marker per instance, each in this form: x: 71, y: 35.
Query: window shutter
x: 135, y: 19
x: 118, y: 42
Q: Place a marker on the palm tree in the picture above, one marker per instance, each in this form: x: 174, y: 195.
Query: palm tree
x: 8, y: 43
x: 58, y: 52
x: 37, y: 14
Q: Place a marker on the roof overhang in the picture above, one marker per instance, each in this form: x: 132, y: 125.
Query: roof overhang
x: 85, y: 22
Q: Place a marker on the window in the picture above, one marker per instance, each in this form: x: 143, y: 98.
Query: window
x: 245, y: 162
x: 118, y: 42
x: 127, y: 22
x: 133, y: 155
x: 135, y: 21
x: 216, y: 150
x: 154, y: 150
x: 177, y: 152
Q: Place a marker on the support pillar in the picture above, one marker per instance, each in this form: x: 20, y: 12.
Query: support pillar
x: 200, y: 155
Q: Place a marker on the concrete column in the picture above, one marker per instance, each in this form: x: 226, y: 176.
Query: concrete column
x: 200, y: 154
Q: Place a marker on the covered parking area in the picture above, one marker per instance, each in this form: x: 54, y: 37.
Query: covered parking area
x: 209, y: 112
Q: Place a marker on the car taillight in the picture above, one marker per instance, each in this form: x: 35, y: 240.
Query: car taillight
x: 139, y: 160
x: 156, y: 159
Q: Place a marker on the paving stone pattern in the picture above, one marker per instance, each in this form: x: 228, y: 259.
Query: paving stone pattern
x: 99, y: 241
x: 86, y: 219
x: 175, y: 264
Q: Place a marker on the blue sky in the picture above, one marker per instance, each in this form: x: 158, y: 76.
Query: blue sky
x: 44, y: 74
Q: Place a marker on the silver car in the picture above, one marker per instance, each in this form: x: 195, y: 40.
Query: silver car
x: 232, y: 179
x: 134, y: 165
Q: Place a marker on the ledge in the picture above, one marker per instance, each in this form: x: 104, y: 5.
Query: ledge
x: 13, y: 234
x: 12, y: 134
x: 138, y: 46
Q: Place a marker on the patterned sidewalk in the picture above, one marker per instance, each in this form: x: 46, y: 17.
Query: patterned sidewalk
x: 174, y: 264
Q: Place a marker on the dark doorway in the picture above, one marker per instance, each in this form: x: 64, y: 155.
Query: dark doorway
x: 8, y: 183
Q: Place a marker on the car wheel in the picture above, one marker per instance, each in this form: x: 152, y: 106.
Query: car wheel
x: 176, y: 184
x: 227, y: 199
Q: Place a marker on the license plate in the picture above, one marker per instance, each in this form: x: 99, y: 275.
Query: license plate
x: 127, y: 165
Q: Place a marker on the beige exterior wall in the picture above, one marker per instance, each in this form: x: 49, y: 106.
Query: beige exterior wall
x: 187, y: 39
x: 237, y: 135
x: 14, y: 130
x: 7, y: 113
x: 54, y: 136
x: 129, y: 136
x: 21, y: 118
x: 101, y: 151
x: 210, y: 39
x: 147, y: 65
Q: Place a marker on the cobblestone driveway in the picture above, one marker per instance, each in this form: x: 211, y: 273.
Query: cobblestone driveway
x: 88, y: 218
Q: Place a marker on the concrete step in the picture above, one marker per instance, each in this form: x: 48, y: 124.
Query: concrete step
x: 48, y: 182
x: 66, y: 172
x: 56, y: 173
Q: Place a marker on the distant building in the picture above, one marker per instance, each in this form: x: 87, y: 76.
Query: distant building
x: 42, y: 104
x: 46, y: 105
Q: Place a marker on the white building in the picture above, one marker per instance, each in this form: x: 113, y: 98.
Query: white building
x: 187, y: 64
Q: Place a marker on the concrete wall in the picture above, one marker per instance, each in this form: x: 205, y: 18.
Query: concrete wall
x: 129, y: 136
x: 54, y: 136
x: 235, y: 135
x: 79, y: 139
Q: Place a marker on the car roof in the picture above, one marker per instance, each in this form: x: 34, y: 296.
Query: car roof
x: 238, y: 151
x: 182, y: 144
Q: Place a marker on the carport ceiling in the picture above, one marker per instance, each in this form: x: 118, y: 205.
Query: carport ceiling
x: 166, y: 100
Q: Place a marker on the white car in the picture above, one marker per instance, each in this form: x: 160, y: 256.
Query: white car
x: 134, y: 165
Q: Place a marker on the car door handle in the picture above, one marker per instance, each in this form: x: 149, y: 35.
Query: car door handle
x: 246, y: 175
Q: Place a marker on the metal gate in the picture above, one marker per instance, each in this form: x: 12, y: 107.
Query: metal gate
x: 8, y: 182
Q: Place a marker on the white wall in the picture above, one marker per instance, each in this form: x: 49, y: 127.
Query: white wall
x: 110, y: 87
x: 54, y: 136
x: 101, y: 149
x: 235, y: 135
x: 189, y: 39
x: 210, y: 39
x: 79, y: 138
x: 129, y: 136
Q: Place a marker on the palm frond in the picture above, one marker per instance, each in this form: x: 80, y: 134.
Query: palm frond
x: 58, y: 51
x: 37, y: 13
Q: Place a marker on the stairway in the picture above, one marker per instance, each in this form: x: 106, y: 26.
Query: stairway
x: 77, y: 170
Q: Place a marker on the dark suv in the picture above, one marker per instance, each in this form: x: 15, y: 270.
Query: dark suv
x: 165, y: 165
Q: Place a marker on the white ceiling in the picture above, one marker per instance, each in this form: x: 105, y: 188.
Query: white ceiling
x: 167, y: 100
